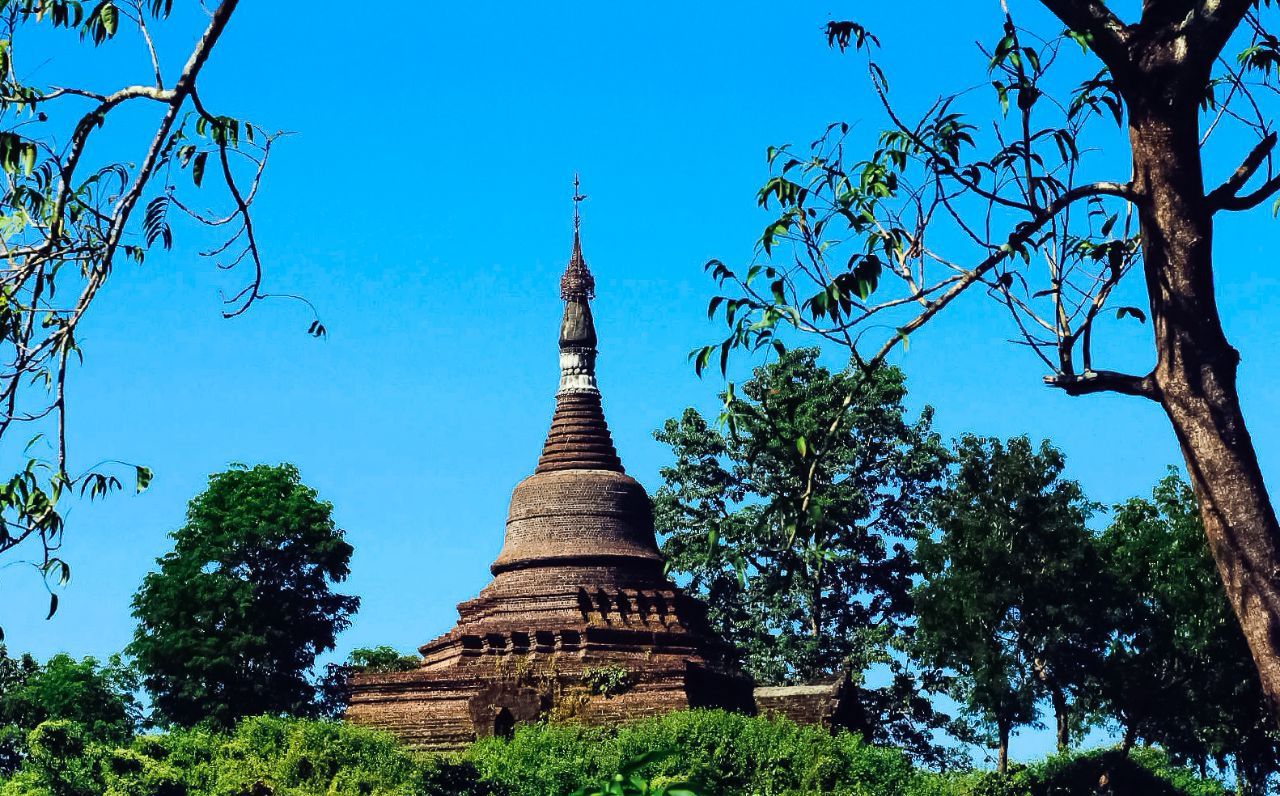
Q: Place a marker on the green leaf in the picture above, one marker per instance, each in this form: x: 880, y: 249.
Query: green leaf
x: 110, y: 17
x: 802, y: 445
x: 197, y: 167
x: 143, y: 476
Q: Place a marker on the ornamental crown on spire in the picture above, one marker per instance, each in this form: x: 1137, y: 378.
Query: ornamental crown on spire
x: 577, y: 283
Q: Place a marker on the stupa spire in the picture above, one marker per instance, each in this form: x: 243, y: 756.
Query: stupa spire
x: 577, y: 283
x: 579, y: 437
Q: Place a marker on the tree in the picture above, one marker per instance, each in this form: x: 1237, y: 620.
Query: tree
x: 232, y: 622
x: 382, y: 660
x: 1010, y: 591
x: 67, y: 215
x: 1178, y: 671
x: 807, y: 582
x: 99, y: 698
x: 13, y: 675
x: 940, y: 207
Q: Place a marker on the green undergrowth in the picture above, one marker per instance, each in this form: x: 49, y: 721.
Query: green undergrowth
x: 715, y: 753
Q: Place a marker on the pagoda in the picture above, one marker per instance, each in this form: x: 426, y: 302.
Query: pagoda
x: 580, y: 621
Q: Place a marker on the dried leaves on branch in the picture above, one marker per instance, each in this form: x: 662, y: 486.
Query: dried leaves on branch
x: 67, y: 220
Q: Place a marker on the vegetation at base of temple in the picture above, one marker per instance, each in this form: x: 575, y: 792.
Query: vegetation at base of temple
x: 231, y: 623
x: 996, y: 591
x: 704, y: 753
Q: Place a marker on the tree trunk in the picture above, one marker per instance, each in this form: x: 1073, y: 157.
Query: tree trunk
x: 1127, y: 741
x: 1195, y: 372
x: 1002, y: 760
x: 1062, y: 718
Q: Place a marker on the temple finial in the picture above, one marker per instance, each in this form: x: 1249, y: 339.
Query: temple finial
x: 578, y: 196
x: 577, y: 284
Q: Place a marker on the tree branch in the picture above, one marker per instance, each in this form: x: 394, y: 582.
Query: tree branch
x: 1108, y: 36
x: 1252, y: 200
x: 1020, y: 237
x: 1217, y: 20
x: 1227, y: 190
x: 177, y: 95
x: 1094, y: 381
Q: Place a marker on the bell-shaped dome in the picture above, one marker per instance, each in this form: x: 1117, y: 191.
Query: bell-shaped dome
x: 579, y: 507
x: 579, y: 517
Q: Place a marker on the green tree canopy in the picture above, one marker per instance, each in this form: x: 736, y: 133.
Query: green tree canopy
x: 382, y: 659
x: 1012, y: 597
x: 808, y: 584
x: 98, y: 697
x: 232, y: 622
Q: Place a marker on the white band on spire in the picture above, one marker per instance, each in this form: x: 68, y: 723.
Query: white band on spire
x: 577, y: 370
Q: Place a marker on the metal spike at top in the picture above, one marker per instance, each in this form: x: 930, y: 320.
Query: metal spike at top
x: 577, y: 283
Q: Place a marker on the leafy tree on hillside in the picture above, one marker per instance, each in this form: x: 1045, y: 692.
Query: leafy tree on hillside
x: 1003, y: 191
x: 78, y: 165
x: 1012, y: 597
x: 98, y: 697
x: 1178, y: 673
x: 232, y: 622
x: 808, y: 583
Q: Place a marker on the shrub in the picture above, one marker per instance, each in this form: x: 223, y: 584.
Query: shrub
x: 1097, y: 772
x: 263, y: 756
x: 720, y: 753
x: 1145, y: 771
x: 715, y: 753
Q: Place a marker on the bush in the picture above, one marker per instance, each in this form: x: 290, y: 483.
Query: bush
x: 719, y: 753
x: 1144, y: 771
x: 1097, y: 772
x: 716, y: 753
x: 263, y: 756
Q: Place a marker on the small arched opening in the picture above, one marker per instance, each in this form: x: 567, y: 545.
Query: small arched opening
x: 504, y: 724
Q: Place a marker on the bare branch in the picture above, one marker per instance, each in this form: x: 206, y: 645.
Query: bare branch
x: 1248, y: 167
x: 1020, y: 236
x: 1252, y: 200
x: 181, y: 90
x: 1094, y: 381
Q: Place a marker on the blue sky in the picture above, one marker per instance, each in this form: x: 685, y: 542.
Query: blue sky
x: 423, y: 205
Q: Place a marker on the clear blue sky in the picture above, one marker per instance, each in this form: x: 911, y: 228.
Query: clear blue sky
x: 423, y: 205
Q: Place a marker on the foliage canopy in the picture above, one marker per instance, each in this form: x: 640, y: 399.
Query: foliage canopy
x: 232, y: 622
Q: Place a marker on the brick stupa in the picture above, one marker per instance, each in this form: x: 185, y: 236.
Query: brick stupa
x: 580, y: 621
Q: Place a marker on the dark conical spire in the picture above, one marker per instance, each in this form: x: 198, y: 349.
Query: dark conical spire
x: 579, y: 437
